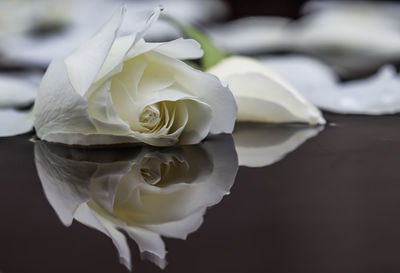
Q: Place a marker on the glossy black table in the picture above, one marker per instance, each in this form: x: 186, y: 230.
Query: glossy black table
x: 332, y: 205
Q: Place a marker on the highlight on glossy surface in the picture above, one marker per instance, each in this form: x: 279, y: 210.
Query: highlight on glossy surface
x: 261, y: 145
x: 124, y: 90
x: 263, y: 96
x: 144, y: 191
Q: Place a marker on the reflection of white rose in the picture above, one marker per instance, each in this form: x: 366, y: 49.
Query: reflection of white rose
x: 125, y: 90
x: 143, y: 191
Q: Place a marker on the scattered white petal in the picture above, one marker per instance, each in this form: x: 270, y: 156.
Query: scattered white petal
x: 351, y: 28
x: 74, y: 15
x: 376, y: 95
x: 14, y: 122
x: 18, y: 90
x: 352, y: 36
x: 252, y: 35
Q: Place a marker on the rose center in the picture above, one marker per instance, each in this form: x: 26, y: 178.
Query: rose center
x: 150, y: 116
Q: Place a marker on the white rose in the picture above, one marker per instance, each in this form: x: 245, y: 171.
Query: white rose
x: 146, y: 192
x: 125, y: 90
x: 262, y: 95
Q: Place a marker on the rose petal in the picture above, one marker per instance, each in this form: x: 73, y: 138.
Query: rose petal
x: 252, y: 34
x: 376, y: 95
x: 58, y: 103
x: 184, y: 49
x: 262, y: 96
x: 93, y: 54
x: 350, y: 27
x: 121, y: 47
x: 61, y: 114
x: 126, y: 48
x: 103, y: 113
x: 207, y: 88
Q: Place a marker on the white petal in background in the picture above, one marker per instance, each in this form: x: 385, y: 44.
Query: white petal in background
x: 13, y: 122
x: 252, y: 35
x: 260, y: 145
x: 351, y: 26
x: 377, y: 95
x: 25, y: 48
x: 350, y: 35
x: 17, y: 90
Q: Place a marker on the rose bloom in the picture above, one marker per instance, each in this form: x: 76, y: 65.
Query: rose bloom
x: 124, y: 90
x: 144, y: 191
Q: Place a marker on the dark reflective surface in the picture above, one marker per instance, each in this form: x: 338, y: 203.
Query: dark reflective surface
x: 330, y: 206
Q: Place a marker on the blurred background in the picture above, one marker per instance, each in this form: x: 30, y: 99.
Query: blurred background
x: 353, y: 37
x: 314, y: 45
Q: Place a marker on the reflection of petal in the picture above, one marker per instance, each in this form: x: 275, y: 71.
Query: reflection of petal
x: 64, y: 196
x: 86, y: 216
x: 179, y: 229
x: 260, y: 145
x: 106, y: 189
x: 13, y: 122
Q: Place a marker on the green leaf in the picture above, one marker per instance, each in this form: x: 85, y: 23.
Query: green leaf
x: 212, y: 54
